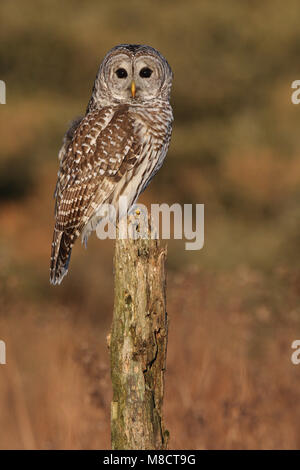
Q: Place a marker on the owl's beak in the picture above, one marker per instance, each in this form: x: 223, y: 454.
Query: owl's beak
x: 133, y: 88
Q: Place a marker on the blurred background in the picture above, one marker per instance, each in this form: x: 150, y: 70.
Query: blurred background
x: 234, y: 305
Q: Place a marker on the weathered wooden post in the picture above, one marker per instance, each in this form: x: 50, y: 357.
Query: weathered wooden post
x: 138, y: 345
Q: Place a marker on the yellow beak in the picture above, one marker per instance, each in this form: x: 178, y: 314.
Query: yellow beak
x: 133, y: 88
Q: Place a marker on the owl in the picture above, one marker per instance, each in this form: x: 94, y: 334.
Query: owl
x: 115, y: 149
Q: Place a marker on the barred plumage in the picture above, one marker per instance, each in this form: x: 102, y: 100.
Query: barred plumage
x: 115, y: 149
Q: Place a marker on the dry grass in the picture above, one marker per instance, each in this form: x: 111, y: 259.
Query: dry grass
x: 229, y: 382
x: 54, y: 385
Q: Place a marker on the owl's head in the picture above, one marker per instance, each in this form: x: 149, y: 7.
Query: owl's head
x: 132, y: 74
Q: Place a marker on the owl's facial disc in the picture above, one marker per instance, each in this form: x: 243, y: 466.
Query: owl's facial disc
x: 148, y: 75
x: 119, y: 77
x: 139, y: 76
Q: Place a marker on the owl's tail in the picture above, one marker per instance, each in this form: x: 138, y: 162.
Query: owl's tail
x: 61, y: 249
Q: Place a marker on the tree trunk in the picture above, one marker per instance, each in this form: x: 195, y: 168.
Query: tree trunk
x: 138, y: 345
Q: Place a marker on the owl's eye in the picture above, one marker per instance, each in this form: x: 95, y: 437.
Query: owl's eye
x: 121, y: 73
x: 145, y: 72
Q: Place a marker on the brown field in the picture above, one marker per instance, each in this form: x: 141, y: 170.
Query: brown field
x: 234, y: 306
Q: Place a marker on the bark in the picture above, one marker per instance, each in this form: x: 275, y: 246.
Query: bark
x: 138, y: 345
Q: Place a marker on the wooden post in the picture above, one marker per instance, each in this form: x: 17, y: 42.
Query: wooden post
x: 138, y: 345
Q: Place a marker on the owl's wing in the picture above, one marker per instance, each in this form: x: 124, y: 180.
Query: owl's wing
x: 105, y: 145
x: 63, y: 160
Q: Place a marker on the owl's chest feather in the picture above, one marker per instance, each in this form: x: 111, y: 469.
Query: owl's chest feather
x: 154, y: 135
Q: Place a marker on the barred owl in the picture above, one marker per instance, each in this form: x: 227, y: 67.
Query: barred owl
x: 115, y: 149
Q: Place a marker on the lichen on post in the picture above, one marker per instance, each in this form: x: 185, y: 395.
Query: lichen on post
x: 138, y: 345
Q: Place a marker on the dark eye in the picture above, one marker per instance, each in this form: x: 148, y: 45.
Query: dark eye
x: 121, y: 73
x: 145, y: 72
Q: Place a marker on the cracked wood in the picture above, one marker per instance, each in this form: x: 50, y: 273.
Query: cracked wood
x: 138, y: 345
